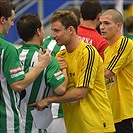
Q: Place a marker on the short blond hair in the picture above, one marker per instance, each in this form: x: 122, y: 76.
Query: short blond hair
x: 116, y: 15
x: 67, y: 18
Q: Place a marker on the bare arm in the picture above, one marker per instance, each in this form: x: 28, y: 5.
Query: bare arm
x: 61, y: 89
x: 70, y: 96
x: 107, y: 73
x: 43, y: 61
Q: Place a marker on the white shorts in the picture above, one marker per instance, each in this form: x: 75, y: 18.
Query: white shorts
x: 57, y: 126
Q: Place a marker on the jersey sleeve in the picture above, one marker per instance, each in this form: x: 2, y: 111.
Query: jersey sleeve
x: 11, y: 65
x: 88, y: 65
x: 118, y: 56
x: 54, y: 76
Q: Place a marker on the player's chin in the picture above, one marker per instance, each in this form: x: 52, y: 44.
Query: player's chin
x: 59, y: 43
x: 103, y: 35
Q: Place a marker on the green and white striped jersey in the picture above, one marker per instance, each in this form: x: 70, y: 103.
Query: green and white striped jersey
x: 51, y: 45
x: 42, y: 87
x: 10, y: 71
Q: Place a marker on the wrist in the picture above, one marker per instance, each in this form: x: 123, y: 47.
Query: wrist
x: 40, y: 66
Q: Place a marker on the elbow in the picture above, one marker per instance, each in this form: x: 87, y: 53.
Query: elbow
x: 60, y: 90
x: 81, y: 93
x: 16, y: 88
x: 81, y: 96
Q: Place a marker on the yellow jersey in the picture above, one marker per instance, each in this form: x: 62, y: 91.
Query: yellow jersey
x: 119, y: 60
x: 93, y: 113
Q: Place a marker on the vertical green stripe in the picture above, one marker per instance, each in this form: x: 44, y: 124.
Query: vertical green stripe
x: 3, y: 123
x: 32, y: 99
x: 35, y: 88
x: 16, y: 116
x: 28, y: 124
x: 28, y: 60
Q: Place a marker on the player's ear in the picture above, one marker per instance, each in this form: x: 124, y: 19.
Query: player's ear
x: 119, y: 24
x: 38, y: 31
x: 2, y: 20
x: 71, y: 28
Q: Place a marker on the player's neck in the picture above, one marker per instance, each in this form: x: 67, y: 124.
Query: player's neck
x: 34, y: 40
x: 114, y: 39
x: 73, y: 44
x: 89, y: 24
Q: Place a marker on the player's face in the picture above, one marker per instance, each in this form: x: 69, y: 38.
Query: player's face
x: 9, y: 22
x: 107, y: 27
x: 60, y: 33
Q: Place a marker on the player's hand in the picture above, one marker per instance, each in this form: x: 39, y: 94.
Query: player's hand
x: 62, y: 62
x: 40, y: 105
x: 44, y: 57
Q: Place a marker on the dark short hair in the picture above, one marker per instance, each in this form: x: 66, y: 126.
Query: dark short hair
x: 5, y: 9
x: 27, y: 26
x: 67, y: 18
x: 90, y: 9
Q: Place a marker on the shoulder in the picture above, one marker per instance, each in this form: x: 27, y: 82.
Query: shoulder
x: 126, y: 43
x: 87, y: 50
x: 61, y: 53
x: 7, y: 45
x: 53, y: 64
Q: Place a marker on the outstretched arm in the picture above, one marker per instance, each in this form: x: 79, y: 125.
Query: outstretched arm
x: 70, y: 96
x: 43, y: 61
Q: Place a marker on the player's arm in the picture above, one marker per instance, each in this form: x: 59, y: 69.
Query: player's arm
x: 107, y: 73
x: 61, y: 89
x: 70, y: 96
x: 63, y: 67
x: 43, y: 61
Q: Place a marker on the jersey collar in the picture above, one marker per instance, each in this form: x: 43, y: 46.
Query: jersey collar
x: 31, y: 45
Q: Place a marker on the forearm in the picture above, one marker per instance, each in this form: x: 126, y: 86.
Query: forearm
x: 107, y: 73
x: 69, y: 96
x: 28, y: 79
x: 66, y: 77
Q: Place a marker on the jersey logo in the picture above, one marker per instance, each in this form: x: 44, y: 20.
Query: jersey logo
x: 72, y: 74
x: 15, y: 70
x: 59, y: 75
